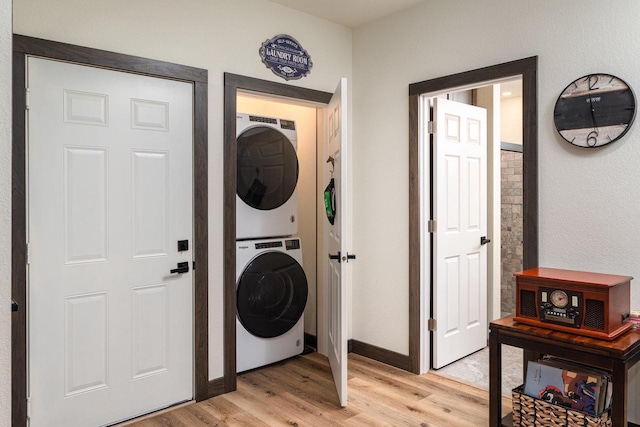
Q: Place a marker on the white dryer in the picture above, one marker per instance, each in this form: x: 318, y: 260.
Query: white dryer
x: 267, y: 177
x: 271, y: 292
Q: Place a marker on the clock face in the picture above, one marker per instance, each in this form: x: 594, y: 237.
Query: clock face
x: 595, y: 110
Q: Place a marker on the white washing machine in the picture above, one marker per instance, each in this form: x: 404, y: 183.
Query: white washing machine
x: 267, y: 177
x: 271, y: 292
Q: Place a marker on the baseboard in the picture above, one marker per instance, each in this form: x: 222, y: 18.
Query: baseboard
x: 216, y: 387
x: 388, y: 357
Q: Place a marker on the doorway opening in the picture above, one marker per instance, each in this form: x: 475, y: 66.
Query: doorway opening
x: 503, y: 103
x: 304, y: 117
x: 420, y: 344
x: 330, y: 111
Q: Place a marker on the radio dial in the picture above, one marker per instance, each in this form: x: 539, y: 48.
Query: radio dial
x: 544, y: 307
x: 559, y: 298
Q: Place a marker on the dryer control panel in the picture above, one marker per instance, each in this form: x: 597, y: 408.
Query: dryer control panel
x: 288, y: 124
x: 292, y: 244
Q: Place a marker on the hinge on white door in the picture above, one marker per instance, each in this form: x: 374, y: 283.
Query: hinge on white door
x: 431, y: 324
x: 27, y: 98
x: 431, y: 226
x: 431, y: 128
x: 28, y: 254
x: 28, y: 408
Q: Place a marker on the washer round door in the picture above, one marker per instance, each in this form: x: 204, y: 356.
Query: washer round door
x: 272, y: 293
x: 267, y: 168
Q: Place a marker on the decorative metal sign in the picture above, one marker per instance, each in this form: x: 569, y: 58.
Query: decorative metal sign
x: 285, y: 57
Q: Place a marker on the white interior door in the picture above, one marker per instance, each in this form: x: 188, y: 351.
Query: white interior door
x: 460, y: 209
x: 110, y: 194
x: 336, y: 238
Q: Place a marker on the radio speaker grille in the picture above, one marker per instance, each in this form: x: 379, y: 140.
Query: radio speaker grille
x: 528, y: 303
x: 594, y: 314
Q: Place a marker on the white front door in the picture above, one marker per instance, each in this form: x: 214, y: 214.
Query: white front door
x: 460, y: 212
x: 110, y: 196
x: 337, y: 238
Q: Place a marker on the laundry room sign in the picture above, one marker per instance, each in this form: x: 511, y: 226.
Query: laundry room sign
x: 285, y: 57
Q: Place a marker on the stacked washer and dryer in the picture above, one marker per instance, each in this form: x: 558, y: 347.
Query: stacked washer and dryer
x: 271, y: 286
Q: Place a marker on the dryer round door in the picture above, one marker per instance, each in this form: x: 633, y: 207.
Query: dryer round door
x: 267, y: 168
x: 272, y: 293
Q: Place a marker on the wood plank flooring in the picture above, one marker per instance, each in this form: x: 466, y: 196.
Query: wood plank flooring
x: 300, y: 392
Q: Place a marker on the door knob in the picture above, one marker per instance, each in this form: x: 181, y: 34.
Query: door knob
x: 484, y: 240
x: 337, y: 257
x: 183, y: 267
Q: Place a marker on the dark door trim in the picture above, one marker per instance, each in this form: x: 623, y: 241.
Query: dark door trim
x: 527, y: 68
x: 233, y: 83
x: 23, y: 46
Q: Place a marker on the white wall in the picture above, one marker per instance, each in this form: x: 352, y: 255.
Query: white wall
x: 511, y: 119
x: 589, y: 199
x: 5, y: 212
x: 218, y: 35
x: 305, y: 118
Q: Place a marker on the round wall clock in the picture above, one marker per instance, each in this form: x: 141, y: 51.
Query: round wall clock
x: 595, y: 110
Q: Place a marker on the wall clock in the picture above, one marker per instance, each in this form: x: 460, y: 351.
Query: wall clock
x: 595, y: 110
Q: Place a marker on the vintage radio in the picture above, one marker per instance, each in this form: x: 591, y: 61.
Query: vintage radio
x: 591, y: 304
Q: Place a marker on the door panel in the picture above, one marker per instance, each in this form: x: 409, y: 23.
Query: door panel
x: 110, y: 193
x: 460, y: 206
x: 150, y: 203
x: 336, y: 235
x: 85, y: 196
x: 85, y: 343
x: 150, y: 328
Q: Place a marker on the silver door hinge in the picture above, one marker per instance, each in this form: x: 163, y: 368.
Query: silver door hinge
x: 28, y: 254
x: 431, y: 324
x: 28, y: 408
x: 27, y: 98
x: 431, y: 226
x: 431, y: 128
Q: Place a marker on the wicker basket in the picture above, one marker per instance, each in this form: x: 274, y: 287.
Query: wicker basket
x: 529, y: 412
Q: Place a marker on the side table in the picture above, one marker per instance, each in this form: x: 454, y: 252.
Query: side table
x: 614, y: 356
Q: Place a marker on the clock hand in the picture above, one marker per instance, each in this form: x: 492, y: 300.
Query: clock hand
x: 592, y: 137
x: 593, y: 116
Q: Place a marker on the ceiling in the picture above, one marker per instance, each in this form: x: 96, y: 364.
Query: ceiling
x: 350, y: 13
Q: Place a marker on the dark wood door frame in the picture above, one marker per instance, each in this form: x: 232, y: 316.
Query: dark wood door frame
x: 232, y: 84
x: 24, y: 46
x: 527, y: 69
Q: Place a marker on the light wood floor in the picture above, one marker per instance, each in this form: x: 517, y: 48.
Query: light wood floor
x: 300, y: 392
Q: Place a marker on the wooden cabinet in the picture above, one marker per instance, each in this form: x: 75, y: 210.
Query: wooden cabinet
x: 615, y: 356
